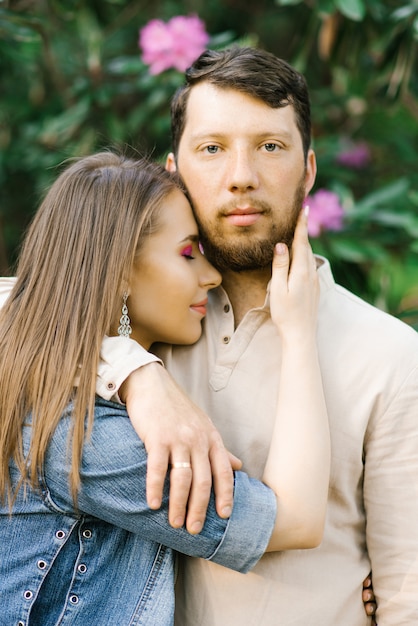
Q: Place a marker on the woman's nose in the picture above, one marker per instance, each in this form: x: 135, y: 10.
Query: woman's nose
x: 210, y: 277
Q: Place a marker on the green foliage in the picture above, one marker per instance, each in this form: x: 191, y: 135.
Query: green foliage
x: 72, y: 81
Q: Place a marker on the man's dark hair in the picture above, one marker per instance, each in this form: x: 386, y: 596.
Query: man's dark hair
x: 252, y: 71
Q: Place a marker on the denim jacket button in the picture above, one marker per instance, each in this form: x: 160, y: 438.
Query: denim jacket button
x: 28, y: 595
x: 20, y: 623
x: 60, y: 534
x: 82, y: 568
x: 74, y: 599
x: 41, y: 564
x: 87, y: 533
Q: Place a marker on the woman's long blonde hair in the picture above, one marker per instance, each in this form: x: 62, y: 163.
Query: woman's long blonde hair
x: 76, y: 257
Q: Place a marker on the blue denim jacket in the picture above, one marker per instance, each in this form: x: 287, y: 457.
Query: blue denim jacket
x: 111, y: 562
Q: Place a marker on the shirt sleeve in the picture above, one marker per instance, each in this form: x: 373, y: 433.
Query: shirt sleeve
x: 119, y: 357
x: 6, y: 285
x: 391, y: 501
x: 113, y: 481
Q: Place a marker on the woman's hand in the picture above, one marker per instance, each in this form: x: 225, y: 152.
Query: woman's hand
x: 294, y: 292
x: 298, y: 464
x: 175, y: 430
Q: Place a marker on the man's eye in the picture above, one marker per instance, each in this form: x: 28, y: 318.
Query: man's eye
x: 212, y: 149
x: 271, y: 147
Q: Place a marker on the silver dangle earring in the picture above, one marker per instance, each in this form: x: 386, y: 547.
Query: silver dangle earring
x: 124, y: 329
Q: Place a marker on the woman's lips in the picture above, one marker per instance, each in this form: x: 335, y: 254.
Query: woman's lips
x: 200, y: 307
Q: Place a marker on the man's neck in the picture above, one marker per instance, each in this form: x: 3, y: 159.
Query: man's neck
x: 246, y: 290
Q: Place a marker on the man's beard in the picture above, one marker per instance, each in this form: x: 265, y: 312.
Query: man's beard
x: 250, y: 253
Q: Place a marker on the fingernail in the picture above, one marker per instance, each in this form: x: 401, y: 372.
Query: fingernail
x: 155, y: 504
x: 280, y: 248
x: 226, y: 511
x: 178, y: 522
x: 196, y: 527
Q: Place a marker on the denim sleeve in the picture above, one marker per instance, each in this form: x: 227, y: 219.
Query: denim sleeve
x: 249, y: 527
x: 113, y: 479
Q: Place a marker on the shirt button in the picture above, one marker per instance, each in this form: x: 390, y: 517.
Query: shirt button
x: 82, y: 568
x: 226, y: 339
x: 74, y: 599
x: 28, y: 594
x: 226, y: 308
x: 87, y: 534
x: 60, y: 534
x: 111, y: 386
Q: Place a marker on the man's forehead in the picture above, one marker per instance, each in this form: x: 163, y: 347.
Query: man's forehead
x: 213, y: 109
x: 208, y: 91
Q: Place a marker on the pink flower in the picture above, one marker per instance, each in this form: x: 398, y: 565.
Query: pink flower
x: 176, y: 43
x: 325, y: 212
x: 355, y: 155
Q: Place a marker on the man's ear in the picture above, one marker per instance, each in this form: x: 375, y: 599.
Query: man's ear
x: 310, y: 171
x: 170, y: 163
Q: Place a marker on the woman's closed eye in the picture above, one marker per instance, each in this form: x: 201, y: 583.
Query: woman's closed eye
x: 187, y: 252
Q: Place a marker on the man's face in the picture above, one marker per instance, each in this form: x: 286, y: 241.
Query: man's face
x: 243, y: 165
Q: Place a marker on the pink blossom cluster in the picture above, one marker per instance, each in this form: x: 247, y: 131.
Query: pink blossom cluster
x: 355, y: 155
x: 173, y: 44
x: 325, y: 212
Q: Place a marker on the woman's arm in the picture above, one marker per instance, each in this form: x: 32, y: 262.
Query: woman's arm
x: 298, y: 463
x: 297, y: 468
x: 173, y: 427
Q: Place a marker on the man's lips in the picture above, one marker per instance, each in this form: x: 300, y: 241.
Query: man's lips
x: 244, y: 217
x: 200, y: 307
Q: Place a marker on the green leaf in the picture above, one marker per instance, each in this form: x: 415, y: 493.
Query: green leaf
x: 389, y: 194
x: 126, y: 65
x: 353, y: 9
x: 404, y: 12
x: 59, y: 129
x: 415, y: 28
x: 356, y: 251
x: 284, y: 3
x: 23, y: 30
x: 405, y: 221
x: 325, y: 6
x: 222, y: 39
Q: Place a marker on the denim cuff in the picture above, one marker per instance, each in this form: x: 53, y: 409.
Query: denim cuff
x: 249, y: 527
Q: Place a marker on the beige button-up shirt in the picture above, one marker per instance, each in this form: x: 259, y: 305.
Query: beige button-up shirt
x: 369, y: 364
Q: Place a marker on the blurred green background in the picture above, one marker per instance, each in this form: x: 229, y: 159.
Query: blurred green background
x: 72, y: 81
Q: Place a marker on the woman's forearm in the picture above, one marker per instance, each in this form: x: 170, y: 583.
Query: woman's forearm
x: 298, y: 464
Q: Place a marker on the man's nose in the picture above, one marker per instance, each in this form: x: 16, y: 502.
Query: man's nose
x: 242, y: 172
